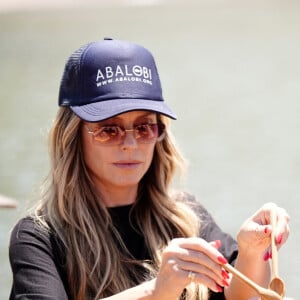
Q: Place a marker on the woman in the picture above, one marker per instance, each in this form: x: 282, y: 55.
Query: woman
x: 108, y: 226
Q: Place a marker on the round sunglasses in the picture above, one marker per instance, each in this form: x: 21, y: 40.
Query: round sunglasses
x: 145, y: 133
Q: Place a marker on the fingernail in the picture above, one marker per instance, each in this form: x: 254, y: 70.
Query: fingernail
x: 279, y: 239
x: 225, y: 275
x: 217, y: 243
x: 266, y: 230
x: 219, y: 289
x: 225, y: 282
x: 266, y: 256
x: 222, y: 260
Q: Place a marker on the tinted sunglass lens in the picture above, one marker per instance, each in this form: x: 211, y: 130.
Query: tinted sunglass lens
x: 143, y: 133
x: 108, y: 135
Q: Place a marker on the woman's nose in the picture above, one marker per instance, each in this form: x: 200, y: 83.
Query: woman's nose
x: 129, y: 140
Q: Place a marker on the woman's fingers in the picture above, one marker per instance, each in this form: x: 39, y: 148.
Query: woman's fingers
x: 257, y: 230
x: 282, y: 229
x: 200, y: 264
x: 199, y: 257
x: 202, y: 249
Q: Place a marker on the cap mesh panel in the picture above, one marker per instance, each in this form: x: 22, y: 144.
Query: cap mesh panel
x: 70, y: 82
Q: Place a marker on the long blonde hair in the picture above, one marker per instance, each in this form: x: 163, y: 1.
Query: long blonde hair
x: 97, y: 268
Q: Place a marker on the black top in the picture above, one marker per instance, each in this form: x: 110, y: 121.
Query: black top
x: 37, y: 258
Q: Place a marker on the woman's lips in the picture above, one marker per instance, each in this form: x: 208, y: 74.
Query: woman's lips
x: 127, y: 164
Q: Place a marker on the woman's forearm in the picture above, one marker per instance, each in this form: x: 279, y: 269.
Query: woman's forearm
x: 255, y: 268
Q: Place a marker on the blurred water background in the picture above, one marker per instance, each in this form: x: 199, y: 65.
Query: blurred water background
x: 230, y: 69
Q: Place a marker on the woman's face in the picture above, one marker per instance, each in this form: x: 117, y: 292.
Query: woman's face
x: 118, y: 167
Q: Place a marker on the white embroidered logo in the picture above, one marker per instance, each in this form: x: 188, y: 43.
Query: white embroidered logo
x: 123, y: 73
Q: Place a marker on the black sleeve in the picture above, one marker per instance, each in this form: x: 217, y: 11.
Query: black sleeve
x: 210, y: 231
x: 35, y: 263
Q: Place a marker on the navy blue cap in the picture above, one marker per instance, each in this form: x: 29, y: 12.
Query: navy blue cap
x: 105, y: 78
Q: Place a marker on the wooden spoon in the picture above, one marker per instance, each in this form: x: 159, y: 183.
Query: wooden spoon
x: 265, y: 294
x: 276, y: 284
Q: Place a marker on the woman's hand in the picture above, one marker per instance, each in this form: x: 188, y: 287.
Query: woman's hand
x: 255, y: 233
x: 254, y: 244
x: 190, y: 259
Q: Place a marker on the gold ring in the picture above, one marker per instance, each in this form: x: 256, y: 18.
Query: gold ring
x: 191, y: 275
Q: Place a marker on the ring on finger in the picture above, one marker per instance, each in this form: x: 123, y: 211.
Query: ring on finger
x: 191, y: 275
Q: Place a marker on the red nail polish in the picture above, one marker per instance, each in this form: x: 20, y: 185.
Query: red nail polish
x: 220, y: 290
x: 266, y: 256
x: 279, y: 239
x: 225, y: 275
x: 222, y: 260
x: 266, y: 230
x: 217, y: 243
x: 225, y: 282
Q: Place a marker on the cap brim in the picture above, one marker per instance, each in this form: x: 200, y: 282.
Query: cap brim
x: 99, y: 111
